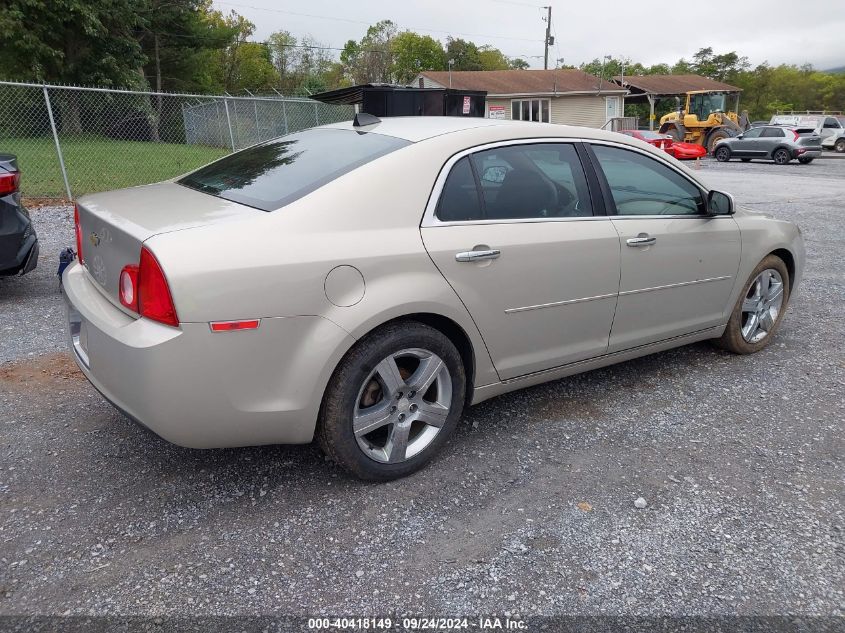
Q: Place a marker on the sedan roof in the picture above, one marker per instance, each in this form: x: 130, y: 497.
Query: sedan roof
x: 418, y: 128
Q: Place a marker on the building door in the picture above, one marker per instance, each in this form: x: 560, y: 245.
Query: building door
x: 613, y: 107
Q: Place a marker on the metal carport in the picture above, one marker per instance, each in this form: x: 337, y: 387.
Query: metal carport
x: 654, y: 87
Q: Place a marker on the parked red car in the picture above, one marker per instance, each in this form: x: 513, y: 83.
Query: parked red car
x: 665, y: 142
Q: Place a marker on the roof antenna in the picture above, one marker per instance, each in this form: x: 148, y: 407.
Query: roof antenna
x: 363, y: 119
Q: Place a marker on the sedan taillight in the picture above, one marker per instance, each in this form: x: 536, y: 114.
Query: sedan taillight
x: 154, y: 299
x: 9, y: 183
x: 78, y: 228
x: 128, y: 287
x: 143, y: 289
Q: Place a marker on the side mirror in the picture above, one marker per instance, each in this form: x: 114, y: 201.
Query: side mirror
x: 740, y: 135
x: 720, y: 203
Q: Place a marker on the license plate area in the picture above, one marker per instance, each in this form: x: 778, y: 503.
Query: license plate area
x: 78, y: 335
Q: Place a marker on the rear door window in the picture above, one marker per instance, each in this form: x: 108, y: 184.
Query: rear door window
x: 459, y: 201
x: 270, y: 175
x: 772, y: 132
x: 543, y: 180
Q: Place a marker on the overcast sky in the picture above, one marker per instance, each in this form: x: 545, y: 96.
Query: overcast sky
x: 648, y: 31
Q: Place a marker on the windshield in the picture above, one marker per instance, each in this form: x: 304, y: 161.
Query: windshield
x: 273, y: 174
x: 702, y: 105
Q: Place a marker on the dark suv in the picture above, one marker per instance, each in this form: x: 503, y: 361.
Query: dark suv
x: 771, y: 142
x: 18, y: 242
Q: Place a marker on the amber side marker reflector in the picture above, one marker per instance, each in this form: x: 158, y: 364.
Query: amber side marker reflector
x: 232, y: 326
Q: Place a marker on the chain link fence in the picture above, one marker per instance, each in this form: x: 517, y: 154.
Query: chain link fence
x: 71, y: 141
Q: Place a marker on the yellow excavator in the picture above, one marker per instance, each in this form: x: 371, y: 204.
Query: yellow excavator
x: 705, y: 119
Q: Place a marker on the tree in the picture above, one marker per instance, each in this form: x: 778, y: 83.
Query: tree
x: 283, y: 50
x: 71, y: 41
x: 413, y: 53
x: 722, y: 67
x: 465, y: 54
x: 492, y: 58
x: 517, y: 63
x: 245, y: 65
x: 682, y: 67
x: 300, y: 64
x: 369, y: 61
x: 175, y: 36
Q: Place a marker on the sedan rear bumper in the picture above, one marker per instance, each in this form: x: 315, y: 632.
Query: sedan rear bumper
x: 19, y: 257
x: 201, y: 389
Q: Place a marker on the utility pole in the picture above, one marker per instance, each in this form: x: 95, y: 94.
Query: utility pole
x: 549, y: 39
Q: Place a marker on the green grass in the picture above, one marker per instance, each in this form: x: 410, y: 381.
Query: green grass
x: 96, y: 163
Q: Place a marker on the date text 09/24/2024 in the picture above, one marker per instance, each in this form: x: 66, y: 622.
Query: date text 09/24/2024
x: 417, y: 624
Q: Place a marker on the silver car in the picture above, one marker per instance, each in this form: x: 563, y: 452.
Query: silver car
x: 771, y: 142
x: 364, y: 282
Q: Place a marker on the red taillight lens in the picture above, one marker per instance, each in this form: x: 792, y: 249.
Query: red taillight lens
x: 797, y: 135
x: 128, y: 289
x: 78, y: 230
x: 154, y: 300
x: 9, y: 183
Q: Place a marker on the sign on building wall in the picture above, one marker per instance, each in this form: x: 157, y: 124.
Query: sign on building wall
x: 467, y: 105
x: 496, y: 112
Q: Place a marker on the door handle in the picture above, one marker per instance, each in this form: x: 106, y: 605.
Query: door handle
x: 474, y: 256
x: 642, y: 239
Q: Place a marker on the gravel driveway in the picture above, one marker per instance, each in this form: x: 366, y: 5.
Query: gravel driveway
x: 529, y: 510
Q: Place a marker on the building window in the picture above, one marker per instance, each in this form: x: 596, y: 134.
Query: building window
x: 530, y: 110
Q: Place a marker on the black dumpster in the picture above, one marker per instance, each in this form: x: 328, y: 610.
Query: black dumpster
x: 385, y: 100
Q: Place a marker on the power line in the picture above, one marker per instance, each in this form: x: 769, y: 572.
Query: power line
x: 519, y: 4
x: 339, y: 19
x: 310, y: 46
x: 557, y: 45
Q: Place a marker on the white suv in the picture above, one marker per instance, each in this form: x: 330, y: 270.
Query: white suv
x: 829, y: 128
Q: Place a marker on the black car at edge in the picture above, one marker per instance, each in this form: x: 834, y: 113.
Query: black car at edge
x: 18, y: 241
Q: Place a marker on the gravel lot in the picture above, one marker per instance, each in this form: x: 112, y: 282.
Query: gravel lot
x: 530, y: 510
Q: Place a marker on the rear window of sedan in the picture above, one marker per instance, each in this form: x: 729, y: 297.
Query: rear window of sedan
x: 270, y: 175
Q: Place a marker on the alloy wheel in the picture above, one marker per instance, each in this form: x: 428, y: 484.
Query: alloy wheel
x: 402, y: 405
x: 762, y: 305
x: 781, y: 157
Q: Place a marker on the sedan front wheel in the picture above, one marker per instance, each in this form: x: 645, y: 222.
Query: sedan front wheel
x: 393, y: 401
x: 759, y: 309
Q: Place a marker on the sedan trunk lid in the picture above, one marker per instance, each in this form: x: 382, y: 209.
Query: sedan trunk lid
x: 115, y: 224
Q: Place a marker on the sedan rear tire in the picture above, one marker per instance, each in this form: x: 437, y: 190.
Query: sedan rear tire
x: 393, y: 401
x: 759, y: 309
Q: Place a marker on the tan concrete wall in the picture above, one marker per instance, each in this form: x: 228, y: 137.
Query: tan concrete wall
x: 499, y: 102
x: 586, y: 111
